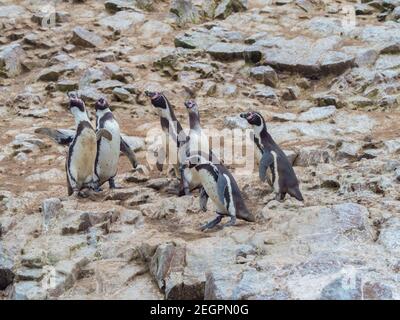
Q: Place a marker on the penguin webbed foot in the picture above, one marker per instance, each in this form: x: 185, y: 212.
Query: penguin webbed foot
x: 111, y: 183
x: 140, y: 168
x: 280, y: 196
x: 83, y: 193
x: 212, y: 223
x: 203, y: 200
x: 231, y: 222
x: 95, y: 186
x: 184, y: 185
x: 184, y: 192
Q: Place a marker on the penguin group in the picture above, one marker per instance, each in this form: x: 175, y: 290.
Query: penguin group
x: 200, y: 168
x: 93, y: 156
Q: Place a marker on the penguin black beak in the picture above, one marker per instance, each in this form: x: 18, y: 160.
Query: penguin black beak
x: 244, y: 115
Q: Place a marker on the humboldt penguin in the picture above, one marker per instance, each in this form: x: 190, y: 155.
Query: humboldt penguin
x: 198, y: 141
x: 284, y: 179
x: 221, y: 187
x: 176, y: 139
x: 106, y: 164
x: 198, y: 144
x: 66, y: 137
x: 82, y: 150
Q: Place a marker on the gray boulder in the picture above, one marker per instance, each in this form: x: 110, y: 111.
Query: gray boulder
x: 265, y: 74
x: 234, y: 51
x: 6, y: 269
x: 11, y: 11
x: 226, y: 7
x: 28, y: 290
x: 339, y: 289
x: 389, y: 236
x: 114, y: 6
x: 306, y: 56
x: 122, y: 20
x: 317, y: 114
x: 235, y: 284
x: 310, y: 156
x: 84, y: 38
x: 180, y: 268
x: 11, y: 57
x: 184, y: 12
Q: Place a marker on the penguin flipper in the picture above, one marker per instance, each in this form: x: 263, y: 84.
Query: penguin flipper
x: 61, y: 136
x: 203, y: 199
x: 69, y: 187
x: 266, y: 160
x: 103, y: 133
x: 222, y: 183
x: 126, y: 150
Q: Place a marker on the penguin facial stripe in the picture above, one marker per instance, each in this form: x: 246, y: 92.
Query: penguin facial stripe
x: 152, y: 95
x: 76, y: 103
x: 159, y: 101
x: 253, y: 118
x: 79, y: 115
x: 196, y: 160
x: 103, y: 116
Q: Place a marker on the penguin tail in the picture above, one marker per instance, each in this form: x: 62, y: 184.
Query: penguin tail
x: 246, y: 215
x: 295, y: 192
x: 250, y: 217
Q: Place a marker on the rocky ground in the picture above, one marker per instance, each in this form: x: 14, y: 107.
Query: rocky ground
x: 325, y: 74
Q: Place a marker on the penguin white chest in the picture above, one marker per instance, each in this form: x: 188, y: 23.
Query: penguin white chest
x: 198, y: 143
x: 82, y: 156
x: 108, y: 153
x: 192, y: 176
x: 210, y: 186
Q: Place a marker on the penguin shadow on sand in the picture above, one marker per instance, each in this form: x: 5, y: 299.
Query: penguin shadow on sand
x: 273, y: 165
x: 93, y: 154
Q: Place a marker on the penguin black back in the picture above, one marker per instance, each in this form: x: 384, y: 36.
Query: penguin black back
x: 274, y: 158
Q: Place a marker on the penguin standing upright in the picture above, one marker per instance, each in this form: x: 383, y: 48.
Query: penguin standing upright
x: 106, y: 164
x: 223, y: 190
x: 198, y: 141
x: 198, y: 144
x: 176, y: 138
x: 284, y: 179
x: 82, y: 151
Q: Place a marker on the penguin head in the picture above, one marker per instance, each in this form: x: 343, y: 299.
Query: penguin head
x: 101, y: 104
x: 76, y: 102
x: 194, y: 160
x: 253, y: 118
x: 157, y: 99
x: 191, y: 105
